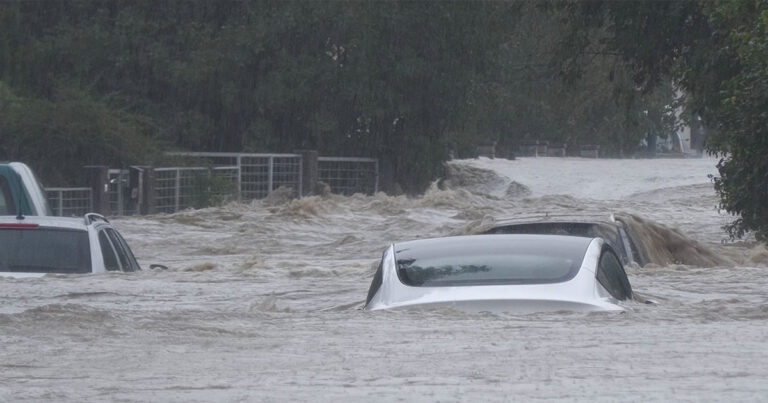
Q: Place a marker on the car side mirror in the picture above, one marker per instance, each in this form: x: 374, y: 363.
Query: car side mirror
x: 158, y: 267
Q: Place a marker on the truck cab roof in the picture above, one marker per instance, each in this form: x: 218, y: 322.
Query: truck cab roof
x: 21, y: 191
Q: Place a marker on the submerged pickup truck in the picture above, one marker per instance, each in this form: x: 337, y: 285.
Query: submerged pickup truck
x: 21, y: 192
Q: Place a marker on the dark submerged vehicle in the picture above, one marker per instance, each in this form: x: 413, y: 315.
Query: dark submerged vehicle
x: 613, y: 229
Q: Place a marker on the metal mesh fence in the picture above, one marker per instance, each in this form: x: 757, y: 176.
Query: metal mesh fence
x: 166, y: 189
x: 174, y: 186
x: 224, y: 177
x: 70, y: 202
x: 261, y: 174
x: 223, y: 184
x: 286, y: 172
x: 181, y: 188
x: 349, y: 175
x: 256, y: 175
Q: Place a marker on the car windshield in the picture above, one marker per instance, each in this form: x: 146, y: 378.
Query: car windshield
x: 490, y: 260
x: 44, y: 250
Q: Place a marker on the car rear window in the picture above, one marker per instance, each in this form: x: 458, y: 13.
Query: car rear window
x: 44, y: 250
x: 490, y: 260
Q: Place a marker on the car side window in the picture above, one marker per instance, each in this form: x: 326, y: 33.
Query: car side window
x: 108, y: 253
x: 612, y: 276
x: 127, y: 261
x: 128, y: 251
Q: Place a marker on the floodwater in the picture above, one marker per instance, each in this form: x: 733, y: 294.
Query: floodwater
x: 262, y: 302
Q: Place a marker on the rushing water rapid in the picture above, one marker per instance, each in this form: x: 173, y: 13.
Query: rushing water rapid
x: 262, y: 303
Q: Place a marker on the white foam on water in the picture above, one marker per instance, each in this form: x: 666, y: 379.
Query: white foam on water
x: 601, y: 179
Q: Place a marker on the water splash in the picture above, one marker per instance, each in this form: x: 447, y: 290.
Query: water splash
x: 663, y: 245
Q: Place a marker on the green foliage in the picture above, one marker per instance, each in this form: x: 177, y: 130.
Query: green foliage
x: 649, y: 37
x: 92, y: 82
x: 610, y: 58
x: 409, y: 69
x: 742, y: 135
x: 384, y: 79
x: 59, y: 136
x: 716, y: 51
x: 554, y: 78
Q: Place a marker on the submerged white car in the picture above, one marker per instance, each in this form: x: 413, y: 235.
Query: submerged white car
x: 519, y: 273
x: 33, y: 246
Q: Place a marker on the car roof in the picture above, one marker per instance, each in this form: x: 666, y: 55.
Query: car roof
x: 16, y: 165
x: 557, y: 218
x: 47, y: 221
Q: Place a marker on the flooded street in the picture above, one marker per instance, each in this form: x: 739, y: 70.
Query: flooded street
x: 262, y: 302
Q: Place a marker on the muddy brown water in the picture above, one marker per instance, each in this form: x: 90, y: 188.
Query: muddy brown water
x: 262, y: 303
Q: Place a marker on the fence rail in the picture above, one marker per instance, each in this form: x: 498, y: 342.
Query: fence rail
x: 70, y: 202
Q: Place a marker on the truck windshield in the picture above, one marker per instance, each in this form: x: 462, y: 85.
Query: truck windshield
x: 44, y: 250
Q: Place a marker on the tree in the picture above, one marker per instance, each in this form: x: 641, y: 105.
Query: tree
x: 385, y: 79
x: 716, y: 52
x: 741, y: 139
x: 402, y: 81
x: 560, y: 80
x: 59, y: 136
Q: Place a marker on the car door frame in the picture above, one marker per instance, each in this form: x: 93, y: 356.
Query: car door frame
x: 97, y: 257
x: 122, y: 247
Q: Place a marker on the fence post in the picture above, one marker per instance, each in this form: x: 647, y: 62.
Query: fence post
x: 61, y: 203
x: 177, y: 190
x: 99, y: 183
x: 239, y: 177
x: 148, y: 203
x: 120, y: 195
x: 270, y: 172
x: 308, y: 176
